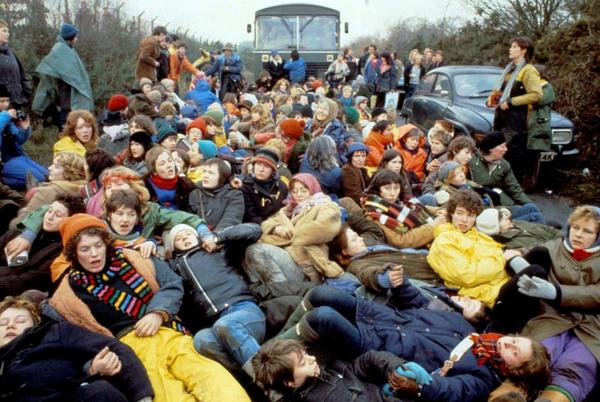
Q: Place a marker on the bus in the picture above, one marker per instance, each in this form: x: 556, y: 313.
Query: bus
x: 313, y: 30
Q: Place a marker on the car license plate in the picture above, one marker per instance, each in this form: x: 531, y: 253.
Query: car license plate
x: 547, y: 156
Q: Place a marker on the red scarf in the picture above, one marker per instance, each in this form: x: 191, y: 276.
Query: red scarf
x: 580, y: 255
x: 165, y: 184
x: 486, y: 350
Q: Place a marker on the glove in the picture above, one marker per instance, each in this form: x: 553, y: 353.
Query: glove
x: 401, y: 385
x: 518, y: 264
x: 415, y: 371
x: 537, y: 287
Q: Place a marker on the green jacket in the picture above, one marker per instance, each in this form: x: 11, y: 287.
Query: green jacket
x: 539, y: 131
x: 156, y: 218
x: 499, y: 176
x: 62, y: 63
x: 298, y: 150
x: 527, y: 234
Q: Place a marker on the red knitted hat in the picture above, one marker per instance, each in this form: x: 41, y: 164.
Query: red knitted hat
x: 292, y: 127
x: 198, y: 123
x: 117, y: 103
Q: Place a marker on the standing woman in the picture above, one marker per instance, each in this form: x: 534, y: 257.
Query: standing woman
x: 12, y: 74
x: 79, y: 135
x: 296, y: 68
x: 387, y: 78
x: 520, y: 88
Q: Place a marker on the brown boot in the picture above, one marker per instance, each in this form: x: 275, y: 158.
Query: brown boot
x: 507, y: 392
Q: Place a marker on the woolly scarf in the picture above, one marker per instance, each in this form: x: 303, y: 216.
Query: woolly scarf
x: 581, y: 254
x: 315, y: 199
x: 486, y: 350
x: 166, y: 190
x: 132, y: 302
x: 162, y: 183
x: 399, y: 217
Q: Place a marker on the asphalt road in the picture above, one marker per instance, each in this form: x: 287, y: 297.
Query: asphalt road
x: 552, y: 206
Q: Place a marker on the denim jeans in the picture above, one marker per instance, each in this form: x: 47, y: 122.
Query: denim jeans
x: 334, y: 319
x: 235, y: 337
x: 527, y: 212
x: 267, y: 263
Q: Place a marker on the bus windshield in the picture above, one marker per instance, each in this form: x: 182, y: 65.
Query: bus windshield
x: 291, y: 32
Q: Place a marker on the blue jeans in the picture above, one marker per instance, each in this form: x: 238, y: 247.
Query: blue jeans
x: 235, y: 337
x: 334, y: 319
x: 527, y: 212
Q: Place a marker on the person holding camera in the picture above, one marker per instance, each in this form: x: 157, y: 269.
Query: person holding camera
x: 12, y: 73
x: 15, y: 129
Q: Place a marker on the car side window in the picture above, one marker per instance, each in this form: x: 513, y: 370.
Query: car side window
x: 442, y: 86
x: 426, y: 85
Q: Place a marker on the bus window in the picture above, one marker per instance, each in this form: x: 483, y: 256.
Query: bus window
x: 318, y: 33
x: 275, y: 33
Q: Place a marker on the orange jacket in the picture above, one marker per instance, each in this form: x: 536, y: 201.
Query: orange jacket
x: 412, y: 161
x: 177, y: 65
x: 378, y: 143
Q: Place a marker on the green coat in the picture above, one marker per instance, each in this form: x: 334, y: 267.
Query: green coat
x: 527, y: 234
x: 498, y: 175
x: 62, y: 63
x: 539, y: 131
x: 298, y: 150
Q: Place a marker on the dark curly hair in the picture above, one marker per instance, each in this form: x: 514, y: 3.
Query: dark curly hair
x: 467, y: 199
x: 70, y: 250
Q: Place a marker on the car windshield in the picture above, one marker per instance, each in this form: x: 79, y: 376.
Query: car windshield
x: 475, y: 85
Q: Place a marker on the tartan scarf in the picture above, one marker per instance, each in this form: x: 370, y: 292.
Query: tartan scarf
x: 400, y: 217
x: 132, y: 302
x: 486, y: 350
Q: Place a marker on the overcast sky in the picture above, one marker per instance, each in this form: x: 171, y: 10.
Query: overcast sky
x: 226, y: 19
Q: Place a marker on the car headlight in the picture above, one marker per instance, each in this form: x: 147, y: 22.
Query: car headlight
x: 562, y: 135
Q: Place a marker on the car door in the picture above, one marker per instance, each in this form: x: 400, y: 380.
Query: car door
x: 422, y: 100
x: 439, y: 100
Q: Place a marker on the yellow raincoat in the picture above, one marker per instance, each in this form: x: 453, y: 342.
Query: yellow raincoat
x: 472, y: 262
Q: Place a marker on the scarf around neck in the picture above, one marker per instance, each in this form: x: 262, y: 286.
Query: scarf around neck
x: 165, y: 184
x: 315, y: 199
x: 399, y: 217
x: 485, y: 350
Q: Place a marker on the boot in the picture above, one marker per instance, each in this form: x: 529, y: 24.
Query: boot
x: 553, y: 395
x: 303, y: 308
x: 301, y: 332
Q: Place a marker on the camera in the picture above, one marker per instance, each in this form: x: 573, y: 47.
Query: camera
x: 21, y: 115
x: 17, y: 260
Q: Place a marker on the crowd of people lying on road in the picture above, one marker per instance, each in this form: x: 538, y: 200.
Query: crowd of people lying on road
x: 209, y: 248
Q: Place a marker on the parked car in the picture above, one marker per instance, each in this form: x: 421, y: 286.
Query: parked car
x: 458, y: 94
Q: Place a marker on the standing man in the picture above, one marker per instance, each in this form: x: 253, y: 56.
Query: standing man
x: 179, y: 62
x: 64, y: 81
x: 12, y: 74
x: 149, y: 53
x: 228, y: 69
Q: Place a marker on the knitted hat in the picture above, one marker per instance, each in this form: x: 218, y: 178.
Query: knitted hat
x: 446, y: 169
x: 292, y: 127
x: 488, y: 221
x: 163, y: 130
x: 189, y: 112
x: 198, y: 123
x: 154, y: 96
x: 317, y: 84
x: 215, y: 116
x: 166, y: 82
x: 274, y: 53
x: 74, y: 224
x: 352, y: 115
x: 251, y: 98
x: 359, y: 99
x: 208, y: 149
x: 268, y: 156
x: 142, y: 138
x: 492, y: 140
x: 145, y: 81
x: 308, y: 180
x: 68, y: 31
x: 357, y: 146
x: 285, y: 109
x: 170, y: 238
x: 117, y: 103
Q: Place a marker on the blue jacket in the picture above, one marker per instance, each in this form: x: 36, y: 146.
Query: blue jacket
x: 296, y: 70
x: 234, y: 66
x: 49, y: 361
x: 385, y: 82
x: 370, y: 72
x: 202, y: 96
x: 426, y: 337
x: 330, y: 180
x: 12, y: 138
x: 337, y: 132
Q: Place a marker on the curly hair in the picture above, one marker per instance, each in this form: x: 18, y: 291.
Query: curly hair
x: 70, y: 250
x: 74, y: 166
x: 72, y: 120
x: 263, y: 112
x: 467, y: 199
x: 19, y: 302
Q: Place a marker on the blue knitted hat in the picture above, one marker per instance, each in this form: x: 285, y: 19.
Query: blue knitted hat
x: 357, y: 146
x: 163, y: 130
x: 68, y: 31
